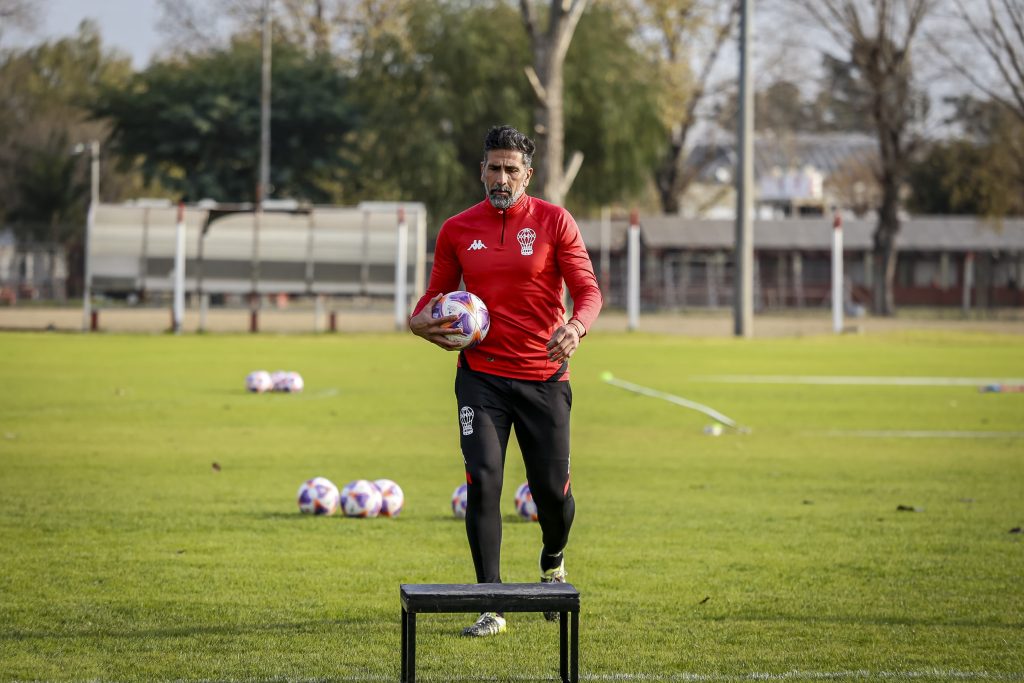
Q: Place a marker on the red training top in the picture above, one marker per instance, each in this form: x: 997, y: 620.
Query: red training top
x: 515, y: 261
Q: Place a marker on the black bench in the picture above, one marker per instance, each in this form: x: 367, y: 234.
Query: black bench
x: 493, y: 597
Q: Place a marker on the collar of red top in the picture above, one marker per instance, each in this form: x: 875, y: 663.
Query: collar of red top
x: 517, y: 208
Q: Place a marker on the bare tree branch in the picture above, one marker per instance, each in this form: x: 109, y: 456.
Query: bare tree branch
x: 1005, y: 53
x: 529, y: 19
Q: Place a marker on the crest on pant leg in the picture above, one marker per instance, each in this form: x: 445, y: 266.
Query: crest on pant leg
x: 466, y: 420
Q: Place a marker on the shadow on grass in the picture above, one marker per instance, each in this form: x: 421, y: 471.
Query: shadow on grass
x: 324, y: 625
x: 301, y: 518
x: 864, y: 620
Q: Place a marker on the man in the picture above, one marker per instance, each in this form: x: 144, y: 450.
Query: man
x: 513, y: 251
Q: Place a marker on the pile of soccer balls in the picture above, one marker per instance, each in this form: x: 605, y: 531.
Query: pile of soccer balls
x: 384, y: 498
x: 358, y: 498
x: 283, y: 381
x: 525, y: 507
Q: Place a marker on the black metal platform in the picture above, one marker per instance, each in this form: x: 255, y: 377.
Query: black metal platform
x: 426, y: 598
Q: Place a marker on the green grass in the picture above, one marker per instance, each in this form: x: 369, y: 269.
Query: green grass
x: 124, y: 556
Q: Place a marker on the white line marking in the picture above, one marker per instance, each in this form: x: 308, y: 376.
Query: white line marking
x: 858, y: 380
x: 919, y: 434
x: 671, y: 398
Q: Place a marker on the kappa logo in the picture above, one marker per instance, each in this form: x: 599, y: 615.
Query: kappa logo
x: 476, y: 245
x: 526, y: 237
x: 466, y: 420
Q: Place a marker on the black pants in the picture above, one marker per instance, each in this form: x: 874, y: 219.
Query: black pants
x: 489, y: 408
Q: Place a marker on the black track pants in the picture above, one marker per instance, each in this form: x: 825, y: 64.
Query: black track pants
x: 489, y: 408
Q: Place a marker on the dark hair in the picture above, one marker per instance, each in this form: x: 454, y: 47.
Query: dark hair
x: 507, y: 137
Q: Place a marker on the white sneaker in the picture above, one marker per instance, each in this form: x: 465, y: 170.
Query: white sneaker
x: 553, y: 575
x: 489, y: 624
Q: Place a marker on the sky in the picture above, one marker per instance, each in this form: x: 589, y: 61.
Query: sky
x: 127, y: 25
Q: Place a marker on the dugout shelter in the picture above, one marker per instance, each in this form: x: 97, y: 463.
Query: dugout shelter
x: 374, y: 249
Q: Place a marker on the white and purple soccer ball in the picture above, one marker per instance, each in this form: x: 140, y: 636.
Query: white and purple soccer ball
x: 259, y: 381
x: 525, y: 507
x: 319, y: 496
x: 287, y: 382
x: 361, y: 498
x: 474, y: 319
x: 392, y: 497
x: 459, y: 501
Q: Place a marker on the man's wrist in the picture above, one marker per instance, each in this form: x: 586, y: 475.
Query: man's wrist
x: 578, y: 326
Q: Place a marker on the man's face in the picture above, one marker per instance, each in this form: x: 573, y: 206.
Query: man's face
x: 505, y: 177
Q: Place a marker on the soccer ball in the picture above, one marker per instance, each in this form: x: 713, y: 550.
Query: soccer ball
x: 258, y: 381
x: 525, y: 507
x: 474, y: 318
x: 287, y: 382
x: 318, y: 496
x: 361, y: 498
x: 393, y: 499
x: 459, y: 501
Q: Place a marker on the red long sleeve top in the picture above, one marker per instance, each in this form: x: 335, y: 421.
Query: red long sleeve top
x: 515, y: 260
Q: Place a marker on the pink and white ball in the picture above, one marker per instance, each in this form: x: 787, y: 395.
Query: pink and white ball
x: 361, y: 498
x: 474, y: 319
x: 525, y: 506
x: 459, y: 501
x: 319, y: 496
x: 259, y: 381
x: 288, y: 382
x: 392, y: 497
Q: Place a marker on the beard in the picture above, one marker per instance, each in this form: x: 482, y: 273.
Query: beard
x: 503, y: 202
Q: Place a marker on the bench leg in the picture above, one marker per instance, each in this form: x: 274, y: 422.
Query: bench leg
x: 563, y: 646
x: 575, y: 665
x: 405, y: 645
x: 411, y: 673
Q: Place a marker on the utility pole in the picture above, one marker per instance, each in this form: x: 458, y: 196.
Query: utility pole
x: 263, y: 181
x: 88, y: 320
x: 743, y: 286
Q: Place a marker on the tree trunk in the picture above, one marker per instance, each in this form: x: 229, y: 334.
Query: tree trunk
x: 669, y: 187
x: 885, y: 246
x: 550, y: 127
x: 552, y: 180
x: 52, y: 275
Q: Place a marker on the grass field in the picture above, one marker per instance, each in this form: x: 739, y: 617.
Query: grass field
x: 780, y: 554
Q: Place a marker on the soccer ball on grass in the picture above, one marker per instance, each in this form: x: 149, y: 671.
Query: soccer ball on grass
x: 392, y: 497
x: 525, y: 507
x: 459, y: 501
x: 259, y: 381
x: 287, y: 382
x: 318, y: 496
x: 361, y: 498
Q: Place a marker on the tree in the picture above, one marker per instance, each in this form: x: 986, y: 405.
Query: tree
x: 879, y: 36
x: 549, y: 47
x: 980, y: 173
x: 430, y: 82
x: 22, y: 14
x: 984, y: 169
x: 44, y: 96
x: 312, y: 25
x: 687, y: 37
x: 44, y: 91
x: 611, y: 111
x: 845, y: 99
x: 991, y: 54
x: 193, y: 123
x: 434, y: 80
